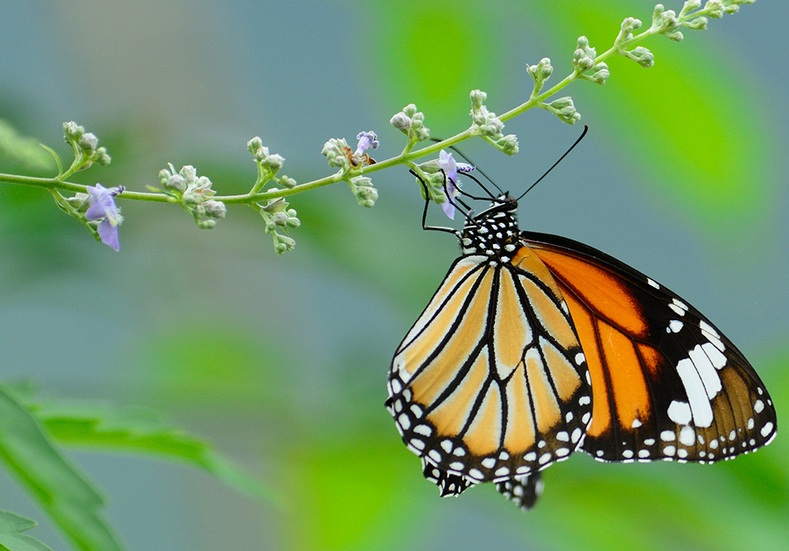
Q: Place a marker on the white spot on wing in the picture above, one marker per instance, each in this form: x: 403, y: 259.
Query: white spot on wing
x: 694, y: 387
x: 687, y: 436
x: 675, y: 326
x: 707, y: 360
x: 679, y: 412
x: 424, y: 430
x: 714, y: 354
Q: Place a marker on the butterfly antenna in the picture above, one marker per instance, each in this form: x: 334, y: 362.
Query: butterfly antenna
x: 554, y: 165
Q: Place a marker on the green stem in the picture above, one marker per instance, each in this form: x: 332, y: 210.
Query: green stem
x: 61, y: 185
x: 407, y: 156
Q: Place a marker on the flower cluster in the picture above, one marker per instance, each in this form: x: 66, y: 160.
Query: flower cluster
x: 411, y: 122
x: 540, y: 73
x: 194, y: 193
x: 362, y: 188
x: 336, y: 152
x: 584, y: 62
x: 489, y: 126
x: 85, y: 146
x: 277, y: 216
x: 268, y: 164
x: 350, y: 162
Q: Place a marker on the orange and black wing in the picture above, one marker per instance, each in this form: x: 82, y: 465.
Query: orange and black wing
x: 491, y: 384
x: 666, y: 383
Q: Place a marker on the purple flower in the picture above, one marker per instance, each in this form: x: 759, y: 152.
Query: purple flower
x: 367, y: 140
x: 102, y: 208
x: 451, y: 168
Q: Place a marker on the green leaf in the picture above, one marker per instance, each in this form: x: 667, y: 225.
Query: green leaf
x: 18, y: 150
x: 63, y: 493
x: 107, y: 427
x: 11, y: 536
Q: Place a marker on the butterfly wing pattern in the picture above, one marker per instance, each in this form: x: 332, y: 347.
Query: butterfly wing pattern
x: 535, y: 346
x: 667, y: 384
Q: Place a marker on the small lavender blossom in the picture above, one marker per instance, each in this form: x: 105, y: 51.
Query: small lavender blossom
x: 367, y: 140
x: 451, y: 168
x: 102, y: 208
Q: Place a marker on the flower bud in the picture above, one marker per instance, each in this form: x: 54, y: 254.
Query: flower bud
x: 478, y: 98
x: 214, y: 209
x: 273, y: 162
x: 72, y: 131
x: 88, y: 141
x: 175, y: 182
x: 254, y: 144
x: 642, y: 56
x: 508, y: 144
x: 401, y: 121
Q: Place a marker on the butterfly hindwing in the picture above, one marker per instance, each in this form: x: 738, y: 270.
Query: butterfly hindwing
x: 666, y: 383
x: 491, y: 383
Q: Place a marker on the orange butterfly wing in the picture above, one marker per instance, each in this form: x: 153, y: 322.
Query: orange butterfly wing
x: 666, y: 383
x: 490, y: 382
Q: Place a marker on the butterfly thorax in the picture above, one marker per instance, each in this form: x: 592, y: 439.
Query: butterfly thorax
x: 493, y: 232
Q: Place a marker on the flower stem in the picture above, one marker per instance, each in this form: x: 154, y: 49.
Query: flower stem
x: 407, y: 156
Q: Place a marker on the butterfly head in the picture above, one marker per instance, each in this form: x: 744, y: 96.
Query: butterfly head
x: 494, y: 231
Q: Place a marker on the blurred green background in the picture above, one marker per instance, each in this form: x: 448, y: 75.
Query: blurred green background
x: 281, y: 362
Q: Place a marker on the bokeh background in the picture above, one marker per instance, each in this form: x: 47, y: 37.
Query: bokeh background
x: 281, y: 362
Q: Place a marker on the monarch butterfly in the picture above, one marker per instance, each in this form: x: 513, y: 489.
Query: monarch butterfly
x: 535, y: 346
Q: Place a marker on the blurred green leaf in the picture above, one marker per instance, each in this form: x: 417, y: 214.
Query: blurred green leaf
x: 21, y: 152
x: 64, y: 493
x: 11, y: 536
x: 233, y: 366
x: 355, y: 492
x: 101, y: 426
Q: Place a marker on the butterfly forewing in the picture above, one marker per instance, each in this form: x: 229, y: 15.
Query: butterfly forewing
x: 667, y: 383
x: 491, y: 382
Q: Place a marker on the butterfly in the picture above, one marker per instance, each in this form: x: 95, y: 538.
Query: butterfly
x: 535, y: 346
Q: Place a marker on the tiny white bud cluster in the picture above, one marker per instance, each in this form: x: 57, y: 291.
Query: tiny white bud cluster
x: 489, y: 126
x: 564, y: 108
x: 86, y: 147
x: 411, y: 122
x: 584, y: 62
x: 336, y: 152
x: 362, y: 188
x: 194, y: 193
x: 277, y: 216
